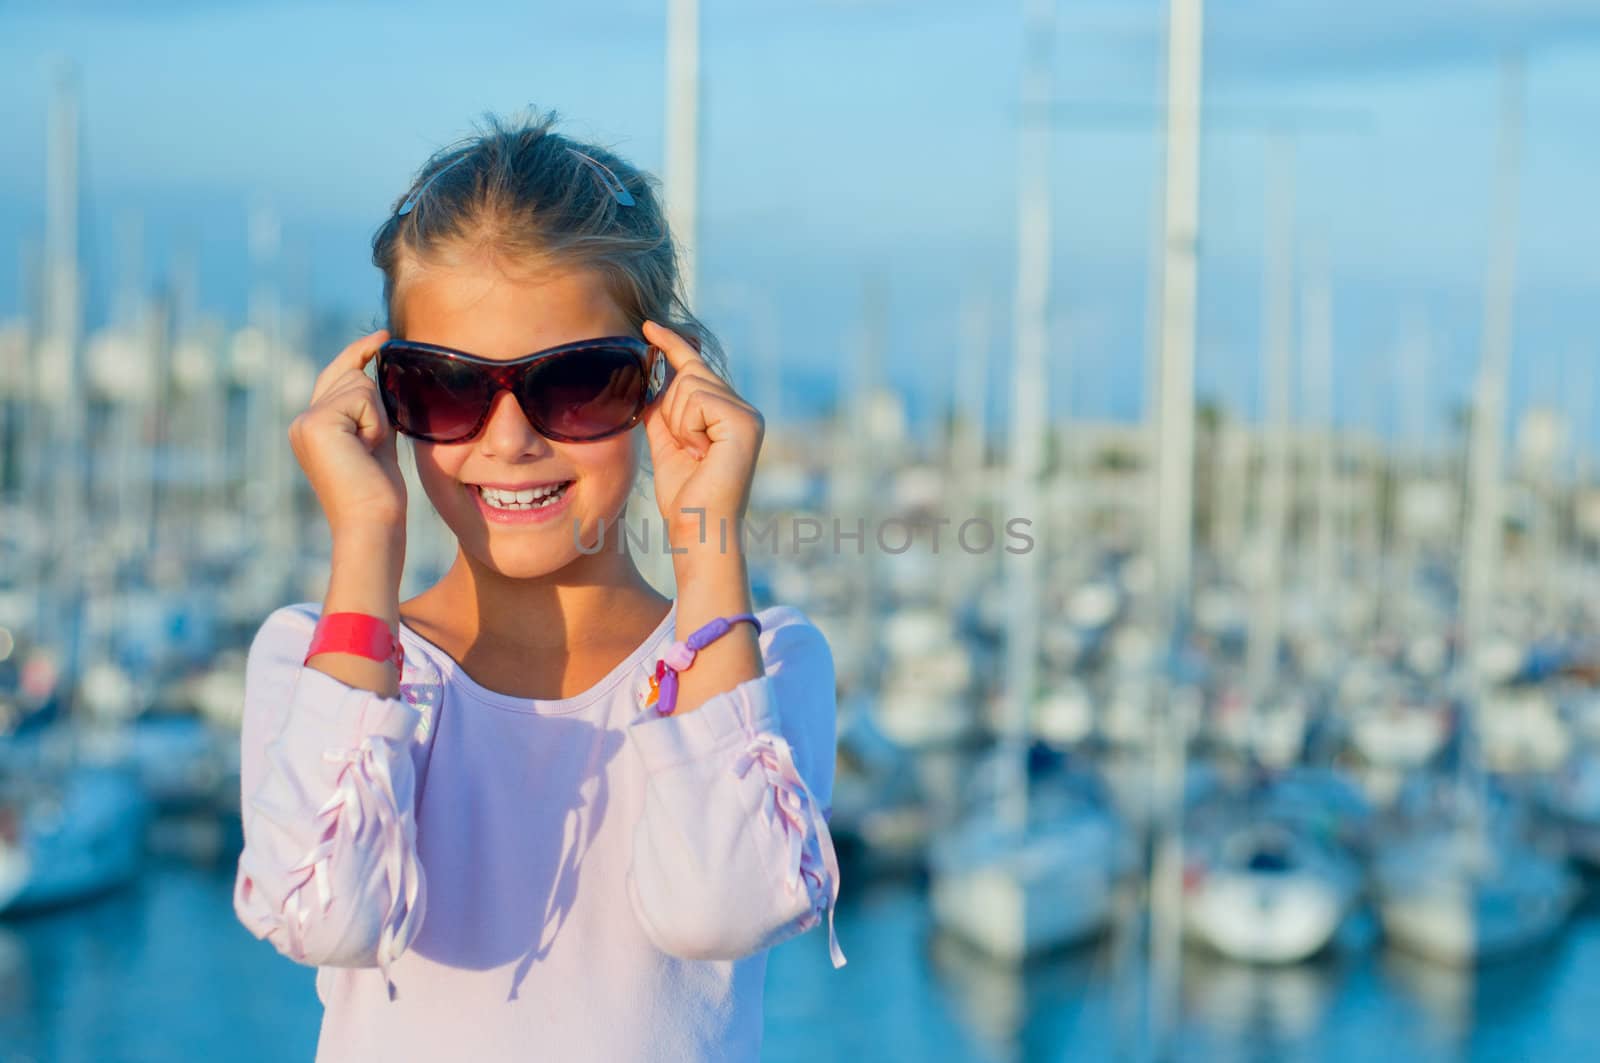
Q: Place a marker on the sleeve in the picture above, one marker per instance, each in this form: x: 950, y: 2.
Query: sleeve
x: 329, y: 873
x: 732, y: 854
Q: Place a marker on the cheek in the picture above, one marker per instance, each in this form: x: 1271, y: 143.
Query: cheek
x: 438, y: 466
x: 607, y: 467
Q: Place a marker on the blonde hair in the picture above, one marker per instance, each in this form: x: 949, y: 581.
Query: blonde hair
x: 523, y: 193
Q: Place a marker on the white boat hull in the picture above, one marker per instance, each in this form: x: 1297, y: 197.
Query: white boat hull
x: 85, y: 840
x: 15, y: 870
x: 1261, y: 918
x: 1014, y: 898
x: 1011, y: 914
x: 1445, y: 901
x: 1467, y: 929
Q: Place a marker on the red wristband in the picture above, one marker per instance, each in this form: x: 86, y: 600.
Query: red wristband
x: 358, y: 633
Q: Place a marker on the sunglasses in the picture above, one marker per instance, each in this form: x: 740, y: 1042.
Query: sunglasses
x: 575, y: 393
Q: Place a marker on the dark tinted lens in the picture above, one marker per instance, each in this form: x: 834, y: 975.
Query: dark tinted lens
x: 587, y: 394
x: 433, y: 397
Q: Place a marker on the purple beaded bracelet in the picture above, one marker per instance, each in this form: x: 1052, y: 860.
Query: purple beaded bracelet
x: 680, y: 655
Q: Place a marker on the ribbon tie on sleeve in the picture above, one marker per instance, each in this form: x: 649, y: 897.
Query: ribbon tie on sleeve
x: 789, y: 799
x: 364, y: 783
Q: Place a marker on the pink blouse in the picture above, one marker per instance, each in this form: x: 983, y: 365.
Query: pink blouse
x: 478, y: 876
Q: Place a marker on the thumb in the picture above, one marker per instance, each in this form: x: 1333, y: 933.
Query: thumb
x: 655, y: 429
x: 372, y: 423
x: 388, y: 447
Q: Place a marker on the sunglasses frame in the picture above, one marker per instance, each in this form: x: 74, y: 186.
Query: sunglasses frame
x: 505, y: 375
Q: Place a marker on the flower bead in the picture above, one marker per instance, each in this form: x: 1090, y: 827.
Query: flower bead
x: 679, y: 656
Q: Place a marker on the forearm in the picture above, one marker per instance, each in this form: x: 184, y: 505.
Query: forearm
x: 731, y: 853
x: 367, y: 565
x: 327, y: 790
x: 713, y: 581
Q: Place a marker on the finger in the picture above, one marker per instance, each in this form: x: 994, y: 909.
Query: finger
x: 681, y: 354
x: 660, y: 422
x: 673, y: 429
x: 657, y: 434
x: 705, y: 416
x: 372, y: 421
x: 358, y: 402
x: 353, y: 358
x: 349, y: 362
x: 695, y: 423
x: 685, y: 362
x: 696, y: 375
x: 709, y: 418
x: 678, y: 401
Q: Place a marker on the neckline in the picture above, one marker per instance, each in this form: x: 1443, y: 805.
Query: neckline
x: 454, y: 671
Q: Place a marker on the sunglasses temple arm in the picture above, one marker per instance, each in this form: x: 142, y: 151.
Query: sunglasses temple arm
x: 661, y: 374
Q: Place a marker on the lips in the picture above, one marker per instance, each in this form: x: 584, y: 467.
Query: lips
x: 524, y: 486
x: 528, y: 505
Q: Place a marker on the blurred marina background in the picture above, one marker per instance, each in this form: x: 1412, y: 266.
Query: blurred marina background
x: 1278, y: 322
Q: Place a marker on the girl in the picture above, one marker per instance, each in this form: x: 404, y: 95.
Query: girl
x: 538, y: 811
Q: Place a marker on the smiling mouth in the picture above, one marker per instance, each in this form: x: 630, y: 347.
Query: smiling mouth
x: 525, y: 499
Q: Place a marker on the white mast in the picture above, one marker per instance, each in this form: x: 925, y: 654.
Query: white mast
x: 1277, y: 339
x: 681, y: 185
x: 130, y: 325
x: 968, y: 439
x: 682, y: 169
x: 1412, y: 453
x: 1028, y: 411
x: 1175, y: 381
x: 161, y: 335
x: 267, y: 464
x: 1481, y: 557
x: 204, y: 398
x: 855, y: 464
x: 1582, y: 428
x: 967, y: 445
x: 61, y: 362
x: 1174, y: 502
x: 1317, y: 344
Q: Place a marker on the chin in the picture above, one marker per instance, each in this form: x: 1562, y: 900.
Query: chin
x: 526, y: 567
x: 518, y: 553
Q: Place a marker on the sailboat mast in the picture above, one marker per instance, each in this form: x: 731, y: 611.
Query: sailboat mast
x: 1413, y: 451
x: 1174, y: 502
x: 682, y: 163
x: 1481, y: 557
x: 61, y: 363
x: 971, y: 381
x: 1025, y: 457
x: 1317, y: 344
x: 681, y: 192
x: 1277, y: 337
x: 1175, y: 380
x: 970, y: 429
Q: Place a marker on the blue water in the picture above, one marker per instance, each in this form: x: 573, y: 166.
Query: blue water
x: 161, y: 971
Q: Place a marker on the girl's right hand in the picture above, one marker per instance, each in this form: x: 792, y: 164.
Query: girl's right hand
x: 346, y: 445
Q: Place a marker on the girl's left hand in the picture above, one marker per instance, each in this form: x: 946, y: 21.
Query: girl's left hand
x: 704, y: 440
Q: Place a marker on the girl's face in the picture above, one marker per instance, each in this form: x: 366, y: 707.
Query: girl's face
x: 479, y: 308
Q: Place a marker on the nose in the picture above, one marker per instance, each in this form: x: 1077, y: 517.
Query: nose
x: 508, y: 434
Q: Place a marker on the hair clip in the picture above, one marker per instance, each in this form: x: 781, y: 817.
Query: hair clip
x: 415, y: 197
x: 607, y: 178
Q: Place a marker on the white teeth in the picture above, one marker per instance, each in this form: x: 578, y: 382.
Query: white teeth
x: 528, y: 498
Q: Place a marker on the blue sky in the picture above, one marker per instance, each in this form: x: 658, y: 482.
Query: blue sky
x: 851, y: 139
